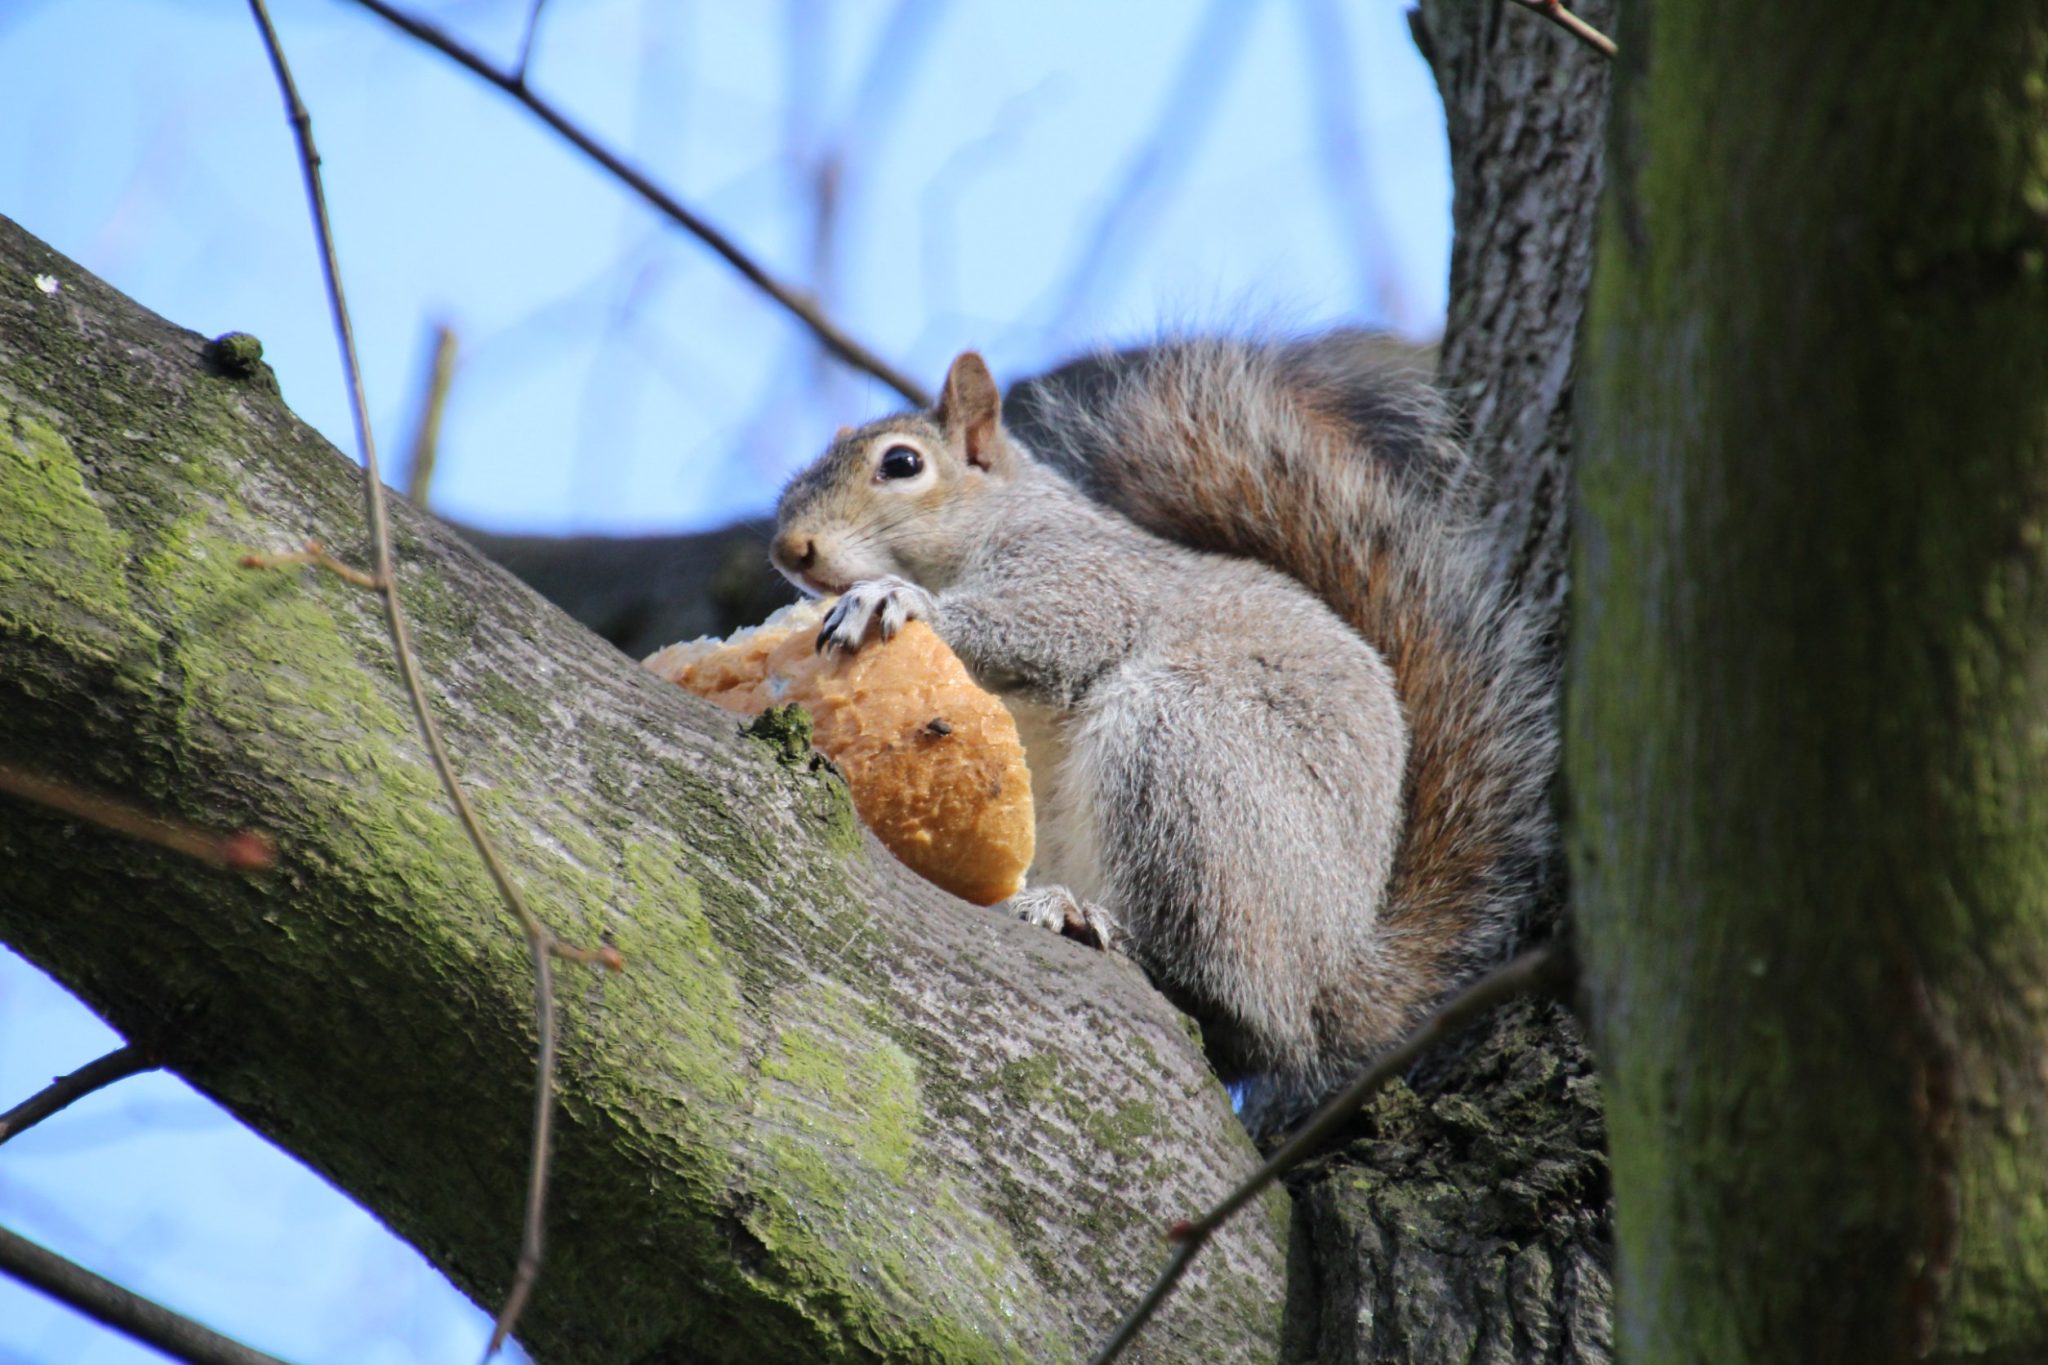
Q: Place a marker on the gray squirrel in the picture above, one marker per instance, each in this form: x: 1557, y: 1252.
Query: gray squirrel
x: 1290, y: 743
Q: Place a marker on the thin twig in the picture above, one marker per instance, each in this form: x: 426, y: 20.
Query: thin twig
x: 1347, y: 179
x: 238, y: 851
x: 1556, y: 13
x: 527, y: 40
x: 835, y: 339
x: 315, y: 554
x: 117, y: 1065
x: 541, y: 942
x: 605, y: 955
x: 426, y: 437
x: 123, y: 1310
x: 1538, y: 970
x: 1184, y: 117
x: 527, y: 1272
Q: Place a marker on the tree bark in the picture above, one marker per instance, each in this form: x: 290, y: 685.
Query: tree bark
x: 826, y: 1112
x: 1526, y: 108
x: 1808, y: 832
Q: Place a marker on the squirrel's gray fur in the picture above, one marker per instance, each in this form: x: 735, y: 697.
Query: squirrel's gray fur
x: 1290, y: 745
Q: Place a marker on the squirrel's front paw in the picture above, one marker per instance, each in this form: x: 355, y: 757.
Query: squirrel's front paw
x: 889, y: 602
x: 1058, y: 909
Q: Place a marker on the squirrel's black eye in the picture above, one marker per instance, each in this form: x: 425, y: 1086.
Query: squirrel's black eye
x: 900, y: 462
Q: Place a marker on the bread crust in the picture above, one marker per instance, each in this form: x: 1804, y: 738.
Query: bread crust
x: 934, y: 763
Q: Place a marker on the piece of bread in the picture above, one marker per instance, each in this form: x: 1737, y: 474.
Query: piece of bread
x: 934, y: 762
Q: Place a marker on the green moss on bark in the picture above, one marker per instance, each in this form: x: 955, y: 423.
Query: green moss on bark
x: 773, y: 1138
x: 70, y: 553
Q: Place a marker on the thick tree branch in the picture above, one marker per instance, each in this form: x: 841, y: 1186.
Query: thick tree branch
x: 827, y: 1112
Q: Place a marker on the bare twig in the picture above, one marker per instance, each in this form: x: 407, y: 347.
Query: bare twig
x: 1556, y: 13
x: 533, y: 1229
x: 238, y: 851
x: 117, y: 1065
x: 541, y: 942
x: 426, y: 442
x: 1183, y: 119
x: 1541, y: 969
x: 835, y: 339
x: 604, y: 955
x: 123, y: 1310
x: 1347, y: 174
x: 938, y: 200
x: 315, y: 554
x: 526, y: 41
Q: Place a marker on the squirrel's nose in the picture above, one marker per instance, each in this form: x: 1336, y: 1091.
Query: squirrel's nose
x: 795, y: 552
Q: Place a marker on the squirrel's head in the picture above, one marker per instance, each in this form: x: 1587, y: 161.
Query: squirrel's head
x: 903, y: 496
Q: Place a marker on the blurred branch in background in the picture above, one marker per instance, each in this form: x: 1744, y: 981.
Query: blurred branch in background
x: 1347, y: 171
x: 527, y: 39
x: 819, y: 154
x: 1132, y: 206
x: 643, y: 592
x: 426, y: 434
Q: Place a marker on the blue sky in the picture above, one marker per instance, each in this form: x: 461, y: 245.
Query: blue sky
x: 1003, y: 183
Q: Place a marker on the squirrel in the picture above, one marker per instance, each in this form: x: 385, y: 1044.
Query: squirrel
x: 1291, y: 741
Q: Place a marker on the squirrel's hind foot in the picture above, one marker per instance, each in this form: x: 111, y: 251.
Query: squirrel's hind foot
x: 1060, y: 910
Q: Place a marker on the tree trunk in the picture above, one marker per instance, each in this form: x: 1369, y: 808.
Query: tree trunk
x: 826, y: 1112
x: 1806, y: 753
x: 1526, y: 105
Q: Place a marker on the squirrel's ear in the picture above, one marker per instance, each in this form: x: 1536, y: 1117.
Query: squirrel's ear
x: 970, y: 407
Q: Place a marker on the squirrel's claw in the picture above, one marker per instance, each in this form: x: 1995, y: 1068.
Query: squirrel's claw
x: 890, y: 603
x: 1058, y: 909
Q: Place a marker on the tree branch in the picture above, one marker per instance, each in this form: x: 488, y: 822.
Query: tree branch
x: 117, y: 1065
x: 835, y: 339
x: 1556, y: 13
x: 426, y: 437
x: 240, y: 850
x: 830, y: 1113
x: 527, y: 41
x: 1541, y: 969
x: 125, y: 1311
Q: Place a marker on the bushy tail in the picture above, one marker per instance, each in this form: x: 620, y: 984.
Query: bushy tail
x: 1320, y: 458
